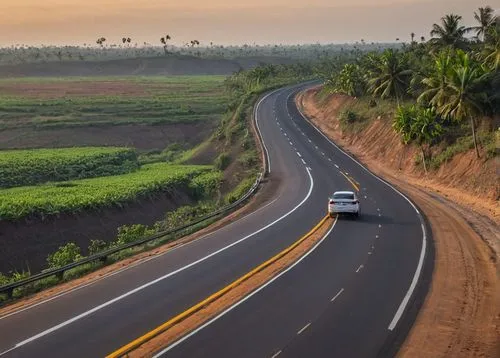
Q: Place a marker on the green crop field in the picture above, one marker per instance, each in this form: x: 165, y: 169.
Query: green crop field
x: 73, y: 196
x: 35, y: 166
x: 105, y: 101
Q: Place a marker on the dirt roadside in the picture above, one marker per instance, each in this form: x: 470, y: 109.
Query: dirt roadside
x: 461, y: 314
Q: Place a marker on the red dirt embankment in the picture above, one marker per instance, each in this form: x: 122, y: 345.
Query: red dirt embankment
x: 461, y: 314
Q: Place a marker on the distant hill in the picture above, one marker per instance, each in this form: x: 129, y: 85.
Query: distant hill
x: 171, y: 65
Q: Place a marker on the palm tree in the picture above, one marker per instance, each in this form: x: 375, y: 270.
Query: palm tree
x: 436, y: 84
x: 412, y: 35
x: 491, y: 49
x: 390, y: 75
x: 486, y: 19
x: 164, y: 41
x: 450, y: 32
x: 465, y: 97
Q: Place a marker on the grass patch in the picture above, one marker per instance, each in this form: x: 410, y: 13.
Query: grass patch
x: 35, y: 166
x: 100, y: 101
x: 462, y: 145
x: 51, y: 198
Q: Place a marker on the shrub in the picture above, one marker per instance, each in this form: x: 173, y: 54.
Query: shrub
x: 248, y: 159
x: 97, y: 246
x: 64, y: 255
x: 131, y: 233
x: 222, y: 161
x: 347, y: 117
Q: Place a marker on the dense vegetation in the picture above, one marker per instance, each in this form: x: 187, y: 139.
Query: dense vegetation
x: 77, y: 195
x: 438, y: 86
x: 76, y: 102
x: 35, y: 166
x: 108, y: 50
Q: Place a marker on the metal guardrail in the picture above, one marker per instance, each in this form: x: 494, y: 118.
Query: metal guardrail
x: 102, y: 256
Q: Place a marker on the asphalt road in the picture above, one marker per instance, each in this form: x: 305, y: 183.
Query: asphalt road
x: 346, y: 298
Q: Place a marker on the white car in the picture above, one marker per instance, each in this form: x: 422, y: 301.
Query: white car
x: 343, y: 202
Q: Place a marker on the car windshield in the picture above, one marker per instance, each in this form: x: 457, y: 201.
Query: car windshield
x: 343, y: 196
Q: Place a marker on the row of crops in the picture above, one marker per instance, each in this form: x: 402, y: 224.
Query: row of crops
x: 37, y: 166
x: 94, y: 193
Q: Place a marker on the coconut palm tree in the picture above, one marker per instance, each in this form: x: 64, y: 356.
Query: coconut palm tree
x: 390, y: 75
x: 435, y: 83
x: 465, y: 95
x: 485, y: 16
x: 449, y: 33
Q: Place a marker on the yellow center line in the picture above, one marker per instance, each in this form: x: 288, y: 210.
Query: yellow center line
x: 352, y: 181
x: 163, y: 327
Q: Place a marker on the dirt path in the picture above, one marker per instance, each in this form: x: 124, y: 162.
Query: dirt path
x: 461, y: 313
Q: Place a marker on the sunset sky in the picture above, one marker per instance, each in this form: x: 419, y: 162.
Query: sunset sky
x: 37, y: 22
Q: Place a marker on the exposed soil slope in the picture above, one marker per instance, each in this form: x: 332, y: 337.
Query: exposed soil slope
x: 171, y: 65
x: 461, y: 315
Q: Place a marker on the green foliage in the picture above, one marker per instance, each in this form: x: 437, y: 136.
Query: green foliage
x: 249, y: 159
x: 347, y: 116
x: 185, y: 215
x: 389, y: 75
x: 64, y: 255
x: 348, y: 81
x: 240, y: 190
x: 97, y: 246
x: 414, y: 123
x: 222, y: 161
x: 35, y: 166
x: 131, y: 233
x: 50, y: 199
x: 206, y: 185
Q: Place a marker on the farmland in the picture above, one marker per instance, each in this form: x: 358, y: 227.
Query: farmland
x: 30, y: 167
x: 47, y: 103
x: 95, y: 193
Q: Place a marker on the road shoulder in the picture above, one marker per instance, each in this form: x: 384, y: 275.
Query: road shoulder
x: 461, y: 313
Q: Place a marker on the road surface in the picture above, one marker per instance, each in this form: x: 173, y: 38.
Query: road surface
x: 354, y: 296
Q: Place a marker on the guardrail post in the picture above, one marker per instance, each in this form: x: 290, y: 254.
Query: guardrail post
x: 10, y: 293
x: 103, y: 259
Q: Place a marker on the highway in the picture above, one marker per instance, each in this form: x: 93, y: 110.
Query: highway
x: 354, y: 295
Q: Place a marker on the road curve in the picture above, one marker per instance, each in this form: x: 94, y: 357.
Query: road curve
x: 355, y: 295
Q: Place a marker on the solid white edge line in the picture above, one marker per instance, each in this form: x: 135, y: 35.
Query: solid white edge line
x: 174, y: 248
x: 192, y: 333
x: 140, y: 288
x: 418, y: 270
x: 304, y: 328
x: 146, y: 285
x: 256, y: 118
x: 337, y: 295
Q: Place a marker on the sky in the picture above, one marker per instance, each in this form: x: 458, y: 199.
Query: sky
x: 71, y: 22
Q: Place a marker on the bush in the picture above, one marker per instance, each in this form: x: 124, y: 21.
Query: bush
x: 131, y: 233
x: 248, y: 159
x: 206, y: 185
x: 240, y: 190
x: 347, y: 117
x: 97, y: 246
x: 222, y: 161
x: 64, y: 255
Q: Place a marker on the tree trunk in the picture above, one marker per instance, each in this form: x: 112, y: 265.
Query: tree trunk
x: 474, y: 136
x: 423, y: 159
x: 402, y: 156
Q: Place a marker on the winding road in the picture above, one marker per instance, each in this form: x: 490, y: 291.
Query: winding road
x: 355, y: 294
